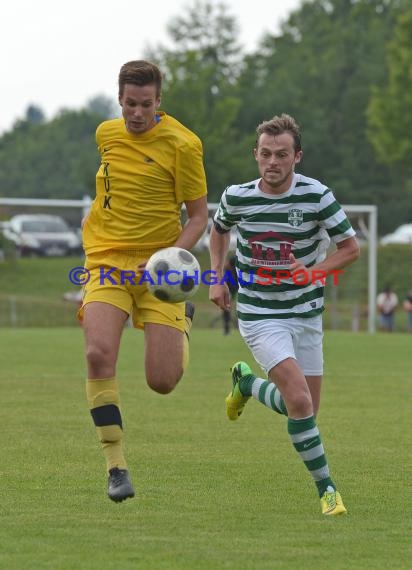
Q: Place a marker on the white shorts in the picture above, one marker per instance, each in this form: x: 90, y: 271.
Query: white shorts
x: 274, y: 340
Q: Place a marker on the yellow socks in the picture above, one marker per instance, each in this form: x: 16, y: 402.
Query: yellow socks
x: 189, y: 312
x: 104, y: 403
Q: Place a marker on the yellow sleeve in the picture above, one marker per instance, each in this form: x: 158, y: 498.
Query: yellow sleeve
x: 190, y: 173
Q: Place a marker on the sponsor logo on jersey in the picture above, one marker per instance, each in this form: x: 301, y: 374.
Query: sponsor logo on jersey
x: 267, y: 256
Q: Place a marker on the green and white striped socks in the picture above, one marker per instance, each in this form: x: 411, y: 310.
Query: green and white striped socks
x: 305, y: 437
x: 304, y: 432
x: 265, y: 392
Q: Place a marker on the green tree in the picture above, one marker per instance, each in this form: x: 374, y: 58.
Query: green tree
x: 201, y: 71
x: 320, y: 69
x: 389, y: 111
x: 35, y: 114
x: 103, y: 106
x: 51, y: 160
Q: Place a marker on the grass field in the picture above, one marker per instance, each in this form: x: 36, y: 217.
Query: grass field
x: 211, y: 494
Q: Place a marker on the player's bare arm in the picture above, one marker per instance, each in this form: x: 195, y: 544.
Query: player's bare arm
x: 219, y: 246
x: 347, y: 251
x: 197, y: 216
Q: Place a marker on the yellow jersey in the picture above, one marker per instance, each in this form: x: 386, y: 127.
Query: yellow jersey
x: 141, y: 184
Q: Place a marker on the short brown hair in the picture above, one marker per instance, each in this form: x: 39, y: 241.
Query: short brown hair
x: 140, y: 72
x: 279, y: 125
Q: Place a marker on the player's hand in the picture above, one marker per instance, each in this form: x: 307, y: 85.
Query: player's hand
x: 298, y: 269
x: 295, y: 265
x: 303, y: 275
x: 219, y: 295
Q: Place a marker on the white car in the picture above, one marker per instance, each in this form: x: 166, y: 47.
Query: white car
x: 41, y: 235
x: 403, y: 234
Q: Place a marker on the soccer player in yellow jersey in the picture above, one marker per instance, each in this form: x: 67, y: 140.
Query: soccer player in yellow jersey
x: 150, y: 165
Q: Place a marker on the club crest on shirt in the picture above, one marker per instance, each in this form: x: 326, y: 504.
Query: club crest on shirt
x: 295, y: 217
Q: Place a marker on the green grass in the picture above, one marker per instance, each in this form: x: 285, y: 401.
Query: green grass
x: 211, y: 494
x: 31, y: 292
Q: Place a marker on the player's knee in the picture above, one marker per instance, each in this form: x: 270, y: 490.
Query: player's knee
x: 162, y: 383
x: 305, y: 401
x: 98, y: 357
x: 300, y: 403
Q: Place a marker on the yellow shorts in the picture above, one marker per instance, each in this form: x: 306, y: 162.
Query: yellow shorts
x: 108, y: 283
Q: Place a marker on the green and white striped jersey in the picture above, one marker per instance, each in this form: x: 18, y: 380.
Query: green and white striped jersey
x: 301, y: 221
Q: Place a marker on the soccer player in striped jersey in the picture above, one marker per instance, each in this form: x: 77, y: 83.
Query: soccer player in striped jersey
x: 284, y: 223
x: 150, y: 165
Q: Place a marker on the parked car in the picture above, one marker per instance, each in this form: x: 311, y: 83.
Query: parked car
x: 402, y: 234
x: 41, y: 235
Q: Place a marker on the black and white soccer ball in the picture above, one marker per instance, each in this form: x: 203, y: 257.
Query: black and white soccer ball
x: 173, y: 274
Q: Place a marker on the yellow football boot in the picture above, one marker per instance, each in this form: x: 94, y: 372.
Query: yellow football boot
x: 332, y: 504
x: 236, y: 401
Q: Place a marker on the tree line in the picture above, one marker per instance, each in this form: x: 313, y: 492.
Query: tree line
x: 342, y: 68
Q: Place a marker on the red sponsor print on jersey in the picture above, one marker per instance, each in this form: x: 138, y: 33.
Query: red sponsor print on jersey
x: 268, y: 256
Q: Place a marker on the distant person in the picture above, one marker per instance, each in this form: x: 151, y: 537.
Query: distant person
x: 150, y: 166
x: 407, y: 305
x: 233, y: 285
x: 386, y: 302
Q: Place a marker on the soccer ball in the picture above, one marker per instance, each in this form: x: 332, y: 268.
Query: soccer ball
x: 173, y: 274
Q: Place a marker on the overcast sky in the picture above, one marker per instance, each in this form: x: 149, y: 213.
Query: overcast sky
x: 60, y: 54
